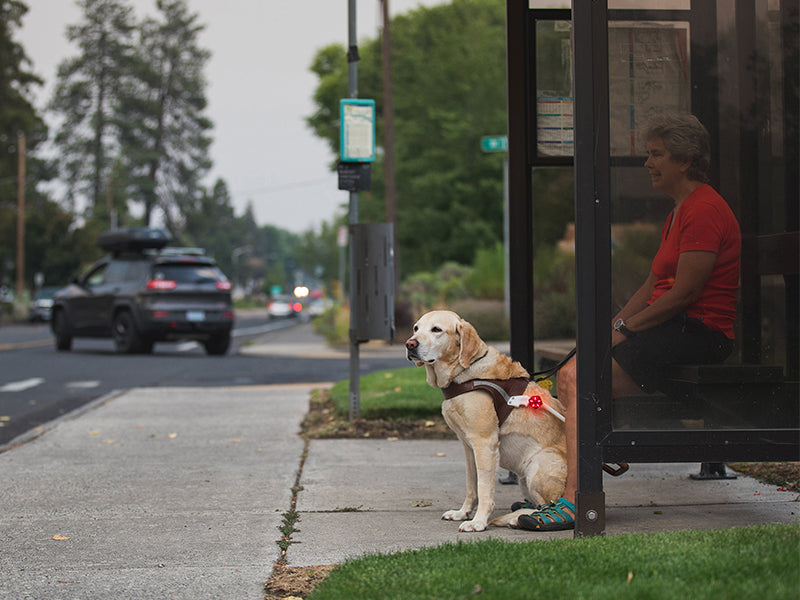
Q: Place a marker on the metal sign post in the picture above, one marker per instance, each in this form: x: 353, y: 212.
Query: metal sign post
x: 357, y: 144
x: 499, y: 143
x: 352, y: 92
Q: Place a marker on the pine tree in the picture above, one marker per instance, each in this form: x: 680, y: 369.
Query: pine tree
x: 87, y: 91
x: 17, y: 114
x: 164, y: 136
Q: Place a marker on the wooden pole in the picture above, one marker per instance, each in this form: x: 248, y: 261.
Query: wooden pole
x: 21, y: 215
x: 388, y: 116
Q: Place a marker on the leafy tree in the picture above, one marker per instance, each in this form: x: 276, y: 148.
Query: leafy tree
x: 317, y: 253
x: 164, y: 137
x: 449, y: 90
x: 55, y: 246
x: 279, y: 247
x: 87, y: 91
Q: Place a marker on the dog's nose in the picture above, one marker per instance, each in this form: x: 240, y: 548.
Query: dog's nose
x: 412, y: 344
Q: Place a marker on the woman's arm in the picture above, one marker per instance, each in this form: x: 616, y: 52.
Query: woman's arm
x: 693, y: 271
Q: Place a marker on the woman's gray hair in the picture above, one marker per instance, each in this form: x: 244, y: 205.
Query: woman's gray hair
x: 686, y: 140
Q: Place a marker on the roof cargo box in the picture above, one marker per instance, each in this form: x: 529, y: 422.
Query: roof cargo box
x: 133, y: 239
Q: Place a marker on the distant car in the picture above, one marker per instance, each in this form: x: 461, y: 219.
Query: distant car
x: 42, y: 304
x: 284, y: 306
x: 6, y: 294
x: 317, y: 306
x: 143, y: 293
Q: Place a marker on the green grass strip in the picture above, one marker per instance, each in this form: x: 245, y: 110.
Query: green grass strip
x: 757, y: 562
x: 393, y: 394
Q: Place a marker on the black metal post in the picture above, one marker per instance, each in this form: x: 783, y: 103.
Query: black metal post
x: 592, y: 254
x: 520, y: 209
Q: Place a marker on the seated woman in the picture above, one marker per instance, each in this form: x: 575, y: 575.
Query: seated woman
x: 685, y: 310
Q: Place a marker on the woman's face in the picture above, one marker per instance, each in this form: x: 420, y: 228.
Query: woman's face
x: 666, y: 173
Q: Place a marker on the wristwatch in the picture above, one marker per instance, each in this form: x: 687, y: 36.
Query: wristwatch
x: 619, y: 325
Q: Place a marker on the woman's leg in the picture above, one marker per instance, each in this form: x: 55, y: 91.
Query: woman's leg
x: 567, y: 382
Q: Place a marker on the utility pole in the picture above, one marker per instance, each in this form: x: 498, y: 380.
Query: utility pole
x: 352, y: 92
x: 388, y: 118
x: 21, y: 215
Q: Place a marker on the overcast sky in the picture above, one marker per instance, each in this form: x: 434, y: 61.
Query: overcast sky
x: 259, y: 93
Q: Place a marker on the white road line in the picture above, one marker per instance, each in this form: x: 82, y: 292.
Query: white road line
x: 82, y: 385
x: 21, y: 386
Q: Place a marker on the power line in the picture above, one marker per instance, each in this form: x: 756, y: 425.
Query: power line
x: 285, y: 186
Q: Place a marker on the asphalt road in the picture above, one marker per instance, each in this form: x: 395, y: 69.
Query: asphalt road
x: 38, y: 383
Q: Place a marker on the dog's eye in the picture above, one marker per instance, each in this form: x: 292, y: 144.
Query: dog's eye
x: 416, y: 328
x: 436, y: 329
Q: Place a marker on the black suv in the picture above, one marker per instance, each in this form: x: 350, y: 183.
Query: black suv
x: 145, y: 292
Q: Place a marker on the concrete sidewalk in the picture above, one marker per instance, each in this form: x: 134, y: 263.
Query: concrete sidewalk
x: 155, y: 493
x: 179, y: 492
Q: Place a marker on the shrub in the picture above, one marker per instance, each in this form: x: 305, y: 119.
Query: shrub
x: 424, y: 291
x: 554, y: 305
x: 334, y: 325
x: 487, y: 279
x: 487, y: 316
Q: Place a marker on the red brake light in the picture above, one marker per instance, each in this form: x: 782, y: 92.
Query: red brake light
x: 297, y: 307
x: 161, y: 284
x: 223, y: 285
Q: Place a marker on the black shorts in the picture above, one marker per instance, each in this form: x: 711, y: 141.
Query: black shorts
x: 681, y: 340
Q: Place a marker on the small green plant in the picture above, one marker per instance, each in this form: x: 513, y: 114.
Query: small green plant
x: 287, y: 528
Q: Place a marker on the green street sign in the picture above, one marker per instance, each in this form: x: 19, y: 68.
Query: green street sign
x: 494, y: 143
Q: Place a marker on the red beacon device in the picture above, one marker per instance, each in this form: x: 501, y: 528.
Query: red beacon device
x: 534, y: 402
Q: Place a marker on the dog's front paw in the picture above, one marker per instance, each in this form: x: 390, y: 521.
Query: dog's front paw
x: 455, y: 515
x: 474, y: 525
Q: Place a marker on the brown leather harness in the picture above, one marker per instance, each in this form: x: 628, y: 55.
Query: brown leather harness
x: 512, y: 387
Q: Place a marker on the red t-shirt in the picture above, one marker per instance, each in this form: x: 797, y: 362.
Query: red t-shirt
x: 705, y: 222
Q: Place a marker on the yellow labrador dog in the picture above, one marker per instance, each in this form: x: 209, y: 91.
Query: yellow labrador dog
x: 530, y: 442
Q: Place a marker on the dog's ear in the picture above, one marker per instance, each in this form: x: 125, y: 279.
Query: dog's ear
x: 471, y: 345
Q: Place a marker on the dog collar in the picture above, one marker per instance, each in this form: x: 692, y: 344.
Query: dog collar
x: 512, y: 387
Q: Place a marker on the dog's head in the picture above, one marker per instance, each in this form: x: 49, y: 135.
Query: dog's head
x: 445, y: 344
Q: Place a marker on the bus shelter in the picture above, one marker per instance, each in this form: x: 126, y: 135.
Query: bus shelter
x: 581, y: 85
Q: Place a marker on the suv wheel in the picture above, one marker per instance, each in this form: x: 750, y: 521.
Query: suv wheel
x: 126, y: 339
x: 61, y: 330
x: 218, y: 345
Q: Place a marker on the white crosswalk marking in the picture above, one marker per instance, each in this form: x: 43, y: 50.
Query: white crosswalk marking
x: 22, y: 385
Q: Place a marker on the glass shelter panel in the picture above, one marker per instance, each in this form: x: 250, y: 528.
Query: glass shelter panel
x: 729, y: 70
x: 554, y: 103
x: 655, y: 68
x: 648, y: 68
